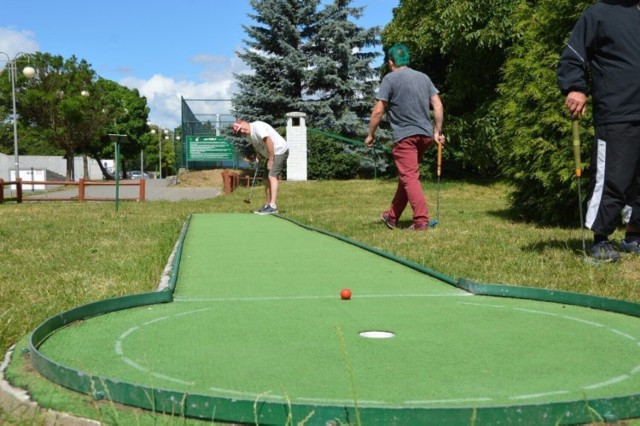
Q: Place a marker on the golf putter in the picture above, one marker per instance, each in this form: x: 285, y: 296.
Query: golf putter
x: 578, y: 165
x: 253, y: 183
x: 434, y: 222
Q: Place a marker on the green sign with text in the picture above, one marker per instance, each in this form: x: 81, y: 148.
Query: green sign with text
x: 210, y: 148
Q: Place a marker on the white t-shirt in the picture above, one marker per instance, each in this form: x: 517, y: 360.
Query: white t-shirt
x: 261, y: 130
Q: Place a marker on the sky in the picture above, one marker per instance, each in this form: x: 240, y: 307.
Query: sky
x: 166, y: 49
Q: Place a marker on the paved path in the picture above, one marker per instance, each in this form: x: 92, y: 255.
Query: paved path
x: 164, y: 190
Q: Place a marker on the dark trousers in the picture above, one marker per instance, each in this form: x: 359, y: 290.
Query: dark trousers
x: 614, y: 177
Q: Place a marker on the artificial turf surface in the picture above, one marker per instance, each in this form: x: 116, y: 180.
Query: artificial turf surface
x: 267, y: 322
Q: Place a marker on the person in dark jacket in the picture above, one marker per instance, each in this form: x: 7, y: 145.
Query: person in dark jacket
x: 605, y: 44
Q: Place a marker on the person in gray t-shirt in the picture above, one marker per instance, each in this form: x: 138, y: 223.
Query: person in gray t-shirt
x: 405, y: 95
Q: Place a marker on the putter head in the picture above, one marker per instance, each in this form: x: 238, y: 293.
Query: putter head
x: 433, y: 223
x: 589, y: 260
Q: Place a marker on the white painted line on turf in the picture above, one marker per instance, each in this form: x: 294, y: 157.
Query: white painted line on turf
x: 233, y: 392
x: 605, y: 383
x: 386, y: 296
x: 155, y: 320
x: 120, y: 352
x: 132, y: 363
x: 448, y: 401
x: 625, y: 335
x: 269, y: 396
x: 539, y: 395
x: 171, y: 379
x: 338, y: 401
x: 128, y: 332
x: 264, y: 396
x: 482, y: 305
x: 609, y: 382
x: 285, y: 298
x: 595, y: 324
x: 182, y: 314
x: 535, y: 311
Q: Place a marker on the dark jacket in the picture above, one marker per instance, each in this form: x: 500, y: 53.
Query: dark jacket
x: 605, y: 41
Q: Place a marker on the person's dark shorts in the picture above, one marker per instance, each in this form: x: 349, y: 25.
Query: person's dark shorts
x: 278, y: 164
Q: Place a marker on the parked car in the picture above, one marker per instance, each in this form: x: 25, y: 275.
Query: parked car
x: 137, y: 174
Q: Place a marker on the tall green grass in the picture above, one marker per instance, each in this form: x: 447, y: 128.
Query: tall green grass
x: 58, y: 255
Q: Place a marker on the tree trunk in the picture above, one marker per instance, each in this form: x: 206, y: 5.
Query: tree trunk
x: 85, y: 166
x: 105, y: 174
x: 70, y: 166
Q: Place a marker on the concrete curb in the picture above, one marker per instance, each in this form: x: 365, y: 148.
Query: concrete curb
x: 17, y: 402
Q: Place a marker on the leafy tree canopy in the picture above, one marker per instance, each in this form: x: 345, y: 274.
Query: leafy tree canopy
x: 66, y: 109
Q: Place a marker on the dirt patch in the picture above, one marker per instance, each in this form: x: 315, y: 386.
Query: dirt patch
x: 204, y: 178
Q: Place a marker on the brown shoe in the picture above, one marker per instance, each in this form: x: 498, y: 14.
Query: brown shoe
x: 418, y: 227
x: 391, y: 224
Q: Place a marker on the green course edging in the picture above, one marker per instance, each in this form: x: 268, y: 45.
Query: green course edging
x: 69, y: 377
x: 175, y: 265
x: 81, y: 381
x: 555, y: 296
x: 46, y: 328
x: 270, y: 412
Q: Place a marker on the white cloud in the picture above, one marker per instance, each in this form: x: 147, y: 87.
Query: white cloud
x: 13, y: 42
x: 163, y: 93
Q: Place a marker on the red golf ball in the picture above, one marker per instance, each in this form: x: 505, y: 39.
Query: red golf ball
x: 345, y: 294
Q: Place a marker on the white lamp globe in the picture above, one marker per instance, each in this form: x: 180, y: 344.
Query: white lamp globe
x: 29, y: 72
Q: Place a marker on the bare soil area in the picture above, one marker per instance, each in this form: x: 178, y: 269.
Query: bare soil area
x: 204, y: 178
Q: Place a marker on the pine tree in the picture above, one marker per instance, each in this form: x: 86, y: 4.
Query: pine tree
x: 340, y: 85
x: 275, y: 53
x: 310, y: 61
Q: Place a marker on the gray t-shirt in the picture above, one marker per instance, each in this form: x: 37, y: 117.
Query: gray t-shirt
x: 407, y: 93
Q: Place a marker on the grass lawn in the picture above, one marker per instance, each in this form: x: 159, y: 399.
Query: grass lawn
x: 59, y: 255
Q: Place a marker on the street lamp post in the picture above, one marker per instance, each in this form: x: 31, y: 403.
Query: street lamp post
x: 175, y: 156
x: 166, y: 136
x: 28, y: 72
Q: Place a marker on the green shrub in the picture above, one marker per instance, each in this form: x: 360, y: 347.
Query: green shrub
x: 330, y: 159
x: 536, y: 129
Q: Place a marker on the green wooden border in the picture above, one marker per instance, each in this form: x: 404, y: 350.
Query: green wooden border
x: 277, y: 413
x: 555, y: 296
x: 175, y: 266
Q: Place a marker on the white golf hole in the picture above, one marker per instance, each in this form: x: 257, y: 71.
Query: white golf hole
x: 375, y: 334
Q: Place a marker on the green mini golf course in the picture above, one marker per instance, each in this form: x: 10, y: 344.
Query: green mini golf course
x: 262, y: 336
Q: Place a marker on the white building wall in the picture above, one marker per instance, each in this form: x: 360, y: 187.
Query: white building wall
x: 297, y: 141
x: 55, y: 164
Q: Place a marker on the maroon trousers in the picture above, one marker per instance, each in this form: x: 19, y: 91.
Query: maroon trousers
x: 407, y: 154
